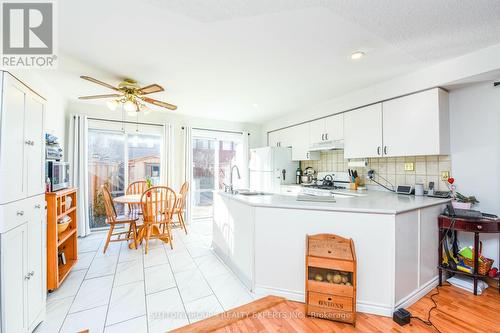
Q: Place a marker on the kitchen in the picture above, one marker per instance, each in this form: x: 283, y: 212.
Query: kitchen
x: 334, y: 163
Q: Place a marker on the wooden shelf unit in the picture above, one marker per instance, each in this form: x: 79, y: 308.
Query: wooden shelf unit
x: 331, y: 278
x: 65, y: 241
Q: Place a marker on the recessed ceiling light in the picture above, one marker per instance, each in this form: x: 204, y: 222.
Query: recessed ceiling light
x: 357, y: 55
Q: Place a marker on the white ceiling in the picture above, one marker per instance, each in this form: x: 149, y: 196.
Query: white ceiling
x: 219, y: 58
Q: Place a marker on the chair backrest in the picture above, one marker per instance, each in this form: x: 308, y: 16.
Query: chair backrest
x: 181, y: 198
x: 158, y: 204
x: 108, y: 204
x: 137, y: 187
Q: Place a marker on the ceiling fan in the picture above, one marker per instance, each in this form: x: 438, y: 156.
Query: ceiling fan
x: 130, y: 94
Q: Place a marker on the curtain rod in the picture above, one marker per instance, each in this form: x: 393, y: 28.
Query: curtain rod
x: 215, y: 130
x: 125, y: 122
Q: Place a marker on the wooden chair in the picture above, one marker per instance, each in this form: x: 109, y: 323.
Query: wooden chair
x: 180, y: 206
x: 113, y: 219
x: 137, y: 187
x: 158, y: 204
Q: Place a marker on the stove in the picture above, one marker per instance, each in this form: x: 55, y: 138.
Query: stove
x: 326, y: 183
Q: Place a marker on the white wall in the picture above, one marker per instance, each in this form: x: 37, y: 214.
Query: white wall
x: 176, y: 120
x: 466, y: 66
x: 56, y: 104
x: 475, y: 151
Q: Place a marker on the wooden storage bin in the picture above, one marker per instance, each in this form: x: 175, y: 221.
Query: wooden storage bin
x: 331, y: 278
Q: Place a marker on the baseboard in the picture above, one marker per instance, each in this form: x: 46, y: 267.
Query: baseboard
x: 417, y: 294
x: 364, y: 307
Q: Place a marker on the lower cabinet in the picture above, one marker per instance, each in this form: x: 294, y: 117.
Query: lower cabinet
x: 22, y: 270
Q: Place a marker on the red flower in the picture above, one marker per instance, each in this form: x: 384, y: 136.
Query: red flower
x: 451, y: 180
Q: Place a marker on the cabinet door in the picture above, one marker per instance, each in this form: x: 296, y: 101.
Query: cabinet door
x: 411, y: 125
x: 363, y: 132
x: 273, y: 139
x: 334, y: 127
x: 286, y: 137
x: 12, y: 145
x: 35, y: 267
x: 300, y: 144
x: 34, y: 153
x: 316, y: 132
x: 13, y: 280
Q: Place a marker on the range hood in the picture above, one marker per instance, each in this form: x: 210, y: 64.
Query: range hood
x: 327, y: 145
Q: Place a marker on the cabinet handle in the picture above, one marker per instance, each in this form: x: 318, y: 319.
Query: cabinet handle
x: 27, y: 142
x: 20, y: 213
x: 32, y: 273
x: 307, y: 155
x: 38, y: 206
x: 27, y: 276
x: 385, y: 150
x: 378, y: 150
x: 326, y: 136
x: 322, y: 137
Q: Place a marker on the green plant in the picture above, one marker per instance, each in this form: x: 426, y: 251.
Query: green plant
x: 462, y: 198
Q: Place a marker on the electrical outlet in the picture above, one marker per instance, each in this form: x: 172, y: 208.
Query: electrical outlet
x: 410, y: 166
x: 445, y: 175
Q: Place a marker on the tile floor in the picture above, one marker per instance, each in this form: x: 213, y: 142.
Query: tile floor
x: 127, y: 291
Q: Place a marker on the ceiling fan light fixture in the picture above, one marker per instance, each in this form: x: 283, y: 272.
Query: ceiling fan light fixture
x: 112, y: 105
x: 130, y: 106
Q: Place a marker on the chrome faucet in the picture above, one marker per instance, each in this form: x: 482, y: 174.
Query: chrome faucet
x: 230, y: 187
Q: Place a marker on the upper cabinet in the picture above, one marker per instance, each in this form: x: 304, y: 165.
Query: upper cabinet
x: 412, y: 125
x: 417, y: 124
x: 21, y: 141
x: 323, y: 132
x: 363, y: 132
x: 300, y: 144
x: 280, y: 138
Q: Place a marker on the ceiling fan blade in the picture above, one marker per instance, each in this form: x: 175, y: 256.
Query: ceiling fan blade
x: 100, y: 96
x: 91, y: 79
x: 152, y: 88
x: 159, y: 103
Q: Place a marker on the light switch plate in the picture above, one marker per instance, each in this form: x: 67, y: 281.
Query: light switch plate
x: 445, y: 175
x: 410, y: 166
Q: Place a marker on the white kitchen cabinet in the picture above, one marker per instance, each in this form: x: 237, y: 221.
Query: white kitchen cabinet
x: 363, y: 132
x: 300, y: 144
x: 22, y: 207
x: 22, y: 266
x: 325, y: 131
x: 35, y: 152
x: 21, y: 141
x: 14, y: 263
x: 280, y: 138
x: 417, y: 124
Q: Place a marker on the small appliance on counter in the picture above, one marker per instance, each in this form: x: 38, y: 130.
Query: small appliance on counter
x: 58, y: 175
x: 308, y: 176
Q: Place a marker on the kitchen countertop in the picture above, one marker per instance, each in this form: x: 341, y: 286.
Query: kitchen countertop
x: 377, y: 202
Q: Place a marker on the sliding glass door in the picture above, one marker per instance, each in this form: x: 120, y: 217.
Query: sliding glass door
x: 213, y: 155
x: 117, y: 158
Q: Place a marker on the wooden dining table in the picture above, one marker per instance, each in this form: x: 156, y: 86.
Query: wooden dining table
x: 135, y: 199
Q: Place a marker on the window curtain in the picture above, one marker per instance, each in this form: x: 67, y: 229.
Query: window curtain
x: 167, y: 162
x: 78, y: 130
x: 246, y: 158
x: 188, y: 167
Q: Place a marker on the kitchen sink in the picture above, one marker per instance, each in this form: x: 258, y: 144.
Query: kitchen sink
x: 252, y: 193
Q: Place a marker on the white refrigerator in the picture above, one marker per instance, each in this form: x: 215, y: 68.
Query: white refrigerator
x: 271, y: 167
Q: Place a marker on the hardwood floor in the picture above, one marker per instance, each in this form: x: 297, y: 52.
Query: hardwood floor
x: 457, y: 312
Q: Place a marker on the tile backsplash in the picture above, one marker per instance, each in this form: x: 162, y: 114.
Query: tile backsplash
x: 389, y: 170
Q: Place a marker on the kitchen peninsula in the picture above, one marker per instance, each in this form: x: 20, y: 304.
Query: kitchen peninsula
x: 395, y: 238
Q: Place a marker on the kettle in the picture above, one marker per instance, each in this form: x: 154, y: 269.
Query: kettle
x: 308, y: 176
